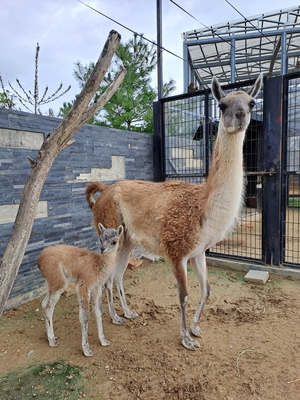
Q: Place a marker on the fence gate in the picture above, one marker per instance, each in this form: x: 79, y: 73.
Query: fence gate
x: 291, y: 184
x: 186, y: 127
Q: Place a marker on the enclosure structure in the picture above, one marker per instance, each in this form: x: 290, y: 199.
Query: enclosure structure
x: 268, y: 231
x: 186, y: 125
x: 238, y: 50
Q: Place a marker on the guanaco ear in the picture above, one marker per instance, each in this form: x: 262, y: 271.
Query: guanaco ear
x: 120, y: 230
x: 101, y: 227
x: 253, y: 91
x: 216, y: 89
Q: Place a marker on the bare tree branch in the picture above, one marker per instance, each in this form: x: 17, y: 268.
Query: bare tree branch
x: 32, y: 97
x: 104, y: 98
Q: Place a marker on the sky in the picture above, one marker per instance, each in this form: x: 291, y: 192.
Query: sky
x: 68, y: 31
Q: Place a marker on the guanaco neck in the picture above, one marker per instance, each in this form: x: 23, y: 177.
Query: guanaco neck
x: 224, y: 185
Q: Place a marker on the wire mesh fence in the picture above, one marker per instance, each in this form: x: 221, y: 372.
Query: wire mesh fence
x: 185, y: 139
x: 291, y: 226
x: 190, y: 129
x: 190, y: 125
x: 245, y: 242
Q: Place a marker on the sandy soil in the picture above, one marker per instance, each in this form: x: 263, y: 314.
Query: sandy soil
x: 249, y: 349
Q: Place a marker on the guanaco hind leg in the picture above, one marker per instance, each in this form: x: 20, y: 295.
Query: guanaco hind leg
x: 48, y: 305
x: 83, y: 295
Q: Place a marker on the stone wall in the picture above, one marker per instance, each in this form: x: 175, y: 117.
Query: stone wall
x: 63, y: 215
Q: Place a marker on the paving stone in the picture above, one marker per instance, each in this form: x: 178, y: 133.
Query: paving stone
x: 149, y: 257
x: 256, y: 276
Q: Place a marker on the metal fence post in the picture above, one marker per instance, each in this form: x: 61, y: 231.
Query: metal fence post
x: 158, y: 141
x: 272, y: 138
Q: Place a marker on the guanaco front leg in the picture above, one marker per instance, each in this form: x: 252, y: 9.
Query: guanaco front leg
x: 180, y: 272
x: 121, y: 265
x: 199, y: 265
x: 98, y: 314
x: 110, y: 302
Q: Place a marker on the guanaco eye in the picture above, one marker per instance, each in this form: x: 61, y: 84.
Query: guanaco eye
x: 222, y: 106
x: 114, y: 242
x: 252, y: 104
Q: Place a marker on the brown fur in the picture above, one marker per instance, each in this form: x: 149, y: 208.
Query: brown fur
x: 61, y: 264
x: 175, y: 206
x: 178, y: 219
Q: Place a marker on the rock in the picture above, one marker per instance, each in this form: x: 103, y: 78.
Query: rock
x: 134, y: 263
x: 256, y: 276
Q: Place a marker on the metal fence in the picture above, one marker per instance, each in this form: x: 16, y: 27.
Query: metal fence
x: 268, y: 230
x: 291, y: 194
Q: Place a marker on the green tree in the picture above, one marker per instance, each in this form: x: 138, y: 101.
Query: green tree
x: 131, y: 106
x: 66, y: 107
x: 7, y: 100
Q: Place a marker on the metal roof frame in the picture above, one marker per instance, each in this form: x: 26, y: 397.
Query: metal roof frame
x: 241, y: 49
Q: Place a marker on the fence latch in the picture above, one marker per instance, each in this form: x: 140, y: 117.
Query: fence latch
x: 261, y: 173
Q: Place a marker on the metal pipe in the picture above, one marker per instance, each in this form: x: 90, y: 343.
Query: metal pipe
x: 159, y: 50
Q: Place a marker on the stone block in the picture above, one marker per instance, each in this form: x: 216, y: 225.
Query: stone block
x: 256, y: 276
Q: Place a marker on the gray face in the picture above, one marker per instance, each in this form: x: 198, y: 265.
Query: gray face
x: 236, y: 111
x: 235, y: 106
x: 109, y: 239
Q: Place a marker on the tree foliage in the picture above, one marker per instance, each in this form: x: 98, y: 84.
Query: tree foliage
x: 7, y: 100
x: 131, y: 107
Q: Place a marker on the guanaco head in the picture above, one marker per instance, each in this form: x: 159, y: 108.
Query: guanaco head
x: 109, y: 238
x: 236, y: 106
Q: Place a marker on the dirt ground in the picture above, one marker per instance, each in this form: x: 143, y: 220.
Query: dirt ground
x: 249, y: 349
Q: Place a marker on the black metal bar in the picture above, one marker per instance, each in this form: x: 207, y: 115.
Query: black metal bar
x: 158, y: 142
x: 260, y: 173
x: 237, y: 85
x: 207, y: 135
x: 272, y: 148
x: 182, y: 175
x: 159, y: 49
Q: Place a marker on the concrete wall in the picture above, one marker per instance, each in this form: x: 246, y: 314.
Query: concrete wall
x: 63, y: 215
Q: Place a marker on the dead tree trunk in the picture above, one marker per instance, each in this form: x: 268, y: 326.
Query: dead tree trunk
x: 55, y: 142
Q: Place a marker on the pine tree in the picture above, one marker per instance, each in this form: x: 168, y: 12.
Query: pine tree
x: 131, y: 107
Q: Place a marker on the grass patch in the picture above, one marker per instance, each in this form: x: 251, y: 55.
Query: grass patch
x: 216, y: 271
x: 231, y: 275
x: 56, y: 380
x: 159, y: 260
